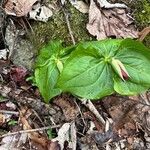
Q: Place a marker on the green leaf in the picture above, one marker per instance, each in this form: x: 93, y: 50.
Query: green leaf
x: 46, y: 71
x: 46, y: 78
x: 93, y: 69
x: 12, y: 122
x: 136, y: 59
x: 128, y: 87
x: 86, y: 74
x: 89, y: 72
x: 52, y: 49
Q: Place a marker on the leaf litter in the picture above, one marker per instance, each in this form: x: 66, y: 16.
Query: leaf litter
x: 114, y: 22
x: 126, y: 120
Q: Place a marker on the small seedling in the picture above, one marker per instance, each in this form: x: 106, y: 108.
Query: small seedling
x: 12, y: 122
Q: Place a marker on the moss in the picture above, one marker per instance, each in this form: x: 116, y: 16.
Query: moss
x: 142, y: 13
x: 141, y: 9
x: 56, y: 28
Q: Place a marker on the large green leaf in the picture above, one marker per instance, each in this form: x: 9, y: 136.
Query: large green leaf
x: 49, y: 51
x: 93, y: 69
x: 128, y: 87
x: 46, y: 78
x: 47, y: 68
x: 136, y: 59
x: 89, y: 72
x: 86, y: 74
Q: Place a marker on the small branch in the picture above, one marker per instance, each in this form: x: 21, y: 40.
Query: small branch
x: 30, y: 130
x: 80, y: 111
x: 9, y: 112
x: 92, y: 108
x: 69, y: 27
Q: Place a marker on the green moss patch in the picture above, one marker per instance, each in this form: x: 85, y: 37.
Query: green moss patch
x: 56, y: 28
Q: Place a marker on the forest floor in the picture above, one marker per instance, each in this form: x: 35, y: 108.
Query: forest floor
x: 26, y: 122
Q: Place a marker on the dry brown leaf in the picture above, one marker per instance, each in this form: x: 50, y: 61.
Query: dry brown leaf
x: 18, y: 7
x: 53, y: 145
x: 2, y: 119
x: 113, y: 22
x: 68, y: 107
x: 67, y: 133
x: 34, y: 136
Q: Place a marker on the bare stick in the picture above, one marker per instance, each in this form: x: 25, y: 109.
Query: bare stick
x: 9, y: 112
x: 92, y: 108
x: 30, y: 130
x: 80, y: 111
x: 69, y: 27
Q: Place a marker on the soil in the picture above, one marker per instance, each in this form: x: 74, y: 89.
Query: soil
x: 127, y: 119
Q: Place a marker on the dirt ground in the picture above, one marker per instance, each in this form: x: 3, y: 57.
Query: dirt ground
x: 27, y: 123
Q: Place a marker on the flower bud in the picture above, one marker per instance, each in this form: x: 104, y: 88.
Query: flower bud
x: 120, y: 69
x: 59, y: 65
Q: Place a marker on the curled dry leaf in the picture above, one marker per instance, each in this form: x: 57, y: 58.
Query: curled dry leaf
x: 105, y: 4
x: 67, y: 136
x: 113, y: 22
x: 18, y: 8
x: 80, y: 5
x: 14, y: 142
x: 3, y: 54
x: 41, y: 13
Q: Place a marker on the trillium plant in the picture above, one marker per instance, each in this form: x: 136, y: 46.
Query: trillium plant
x: 93, y: 69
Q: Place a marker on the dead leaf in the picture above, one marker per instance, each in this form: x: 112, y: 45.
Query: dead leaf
x: 18, y: 74
x: 4, y: 54
x: 14, y: 142
x: 53, y: 146
x: 80, y: 5
x: 68, y: 107
x: 34, y: 136
x: 67, y: 136
x: 114, y: 22
x: 41, y: 13
x: 18, y: 8
x: 105, y: 4
x: 2, y: 119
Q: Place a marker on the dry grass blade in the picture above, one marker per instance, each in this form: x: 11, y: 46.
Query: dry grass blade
x: 144, y: 33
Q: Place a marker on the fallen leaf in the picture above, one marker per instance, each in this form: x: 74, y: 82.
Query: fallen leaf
x: 113, y: 22
x: 80, y: 5
x: 53, y: 146
x: 34, y: 136
x: 18, y: 74
x: 105, y: 4
x: 18, y: 8
x: 41, y: 13
x: 67, y: 136
x: 4, y: 54
x: 14, y: 142
x: 2, y: 119
x: 68, y: 107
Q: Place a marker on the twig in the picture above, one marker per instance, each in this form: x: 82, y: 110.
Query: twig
x: 30, y: 130
x: 69, y: 27
x: 92, y: 108
x: 80, y: 111
x: 9, y: 112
